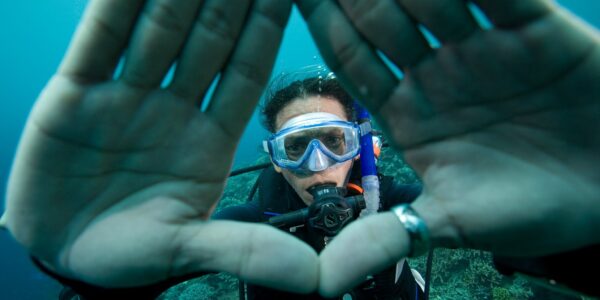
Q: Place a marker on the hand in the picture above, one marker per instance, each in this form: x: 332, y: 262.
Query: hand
x: 500, y: 123
x: 116, y: 175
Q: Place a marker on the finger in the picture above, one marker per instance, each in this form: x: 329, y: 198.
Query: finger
x: 347, y: 54
x: 448, y: 20
x: 250, y: 66
x: 208, y: 47
x: 370, y: 250
x: 100, y: 39
x: 157, y: 39
x: 388, y: 28
x: 257, y: 253
x: 513, y: 13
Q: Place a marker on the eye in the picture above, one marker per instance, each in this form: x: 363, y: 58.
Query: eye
x: 334, y: 142
x: 295, y: 147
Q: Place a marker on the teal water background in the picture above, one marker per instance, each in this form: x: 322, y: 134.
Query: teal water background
x: 35, y: 34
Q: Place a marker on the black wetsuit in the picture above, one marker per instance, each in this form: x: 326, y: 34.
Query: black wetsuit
x: 276, y: 196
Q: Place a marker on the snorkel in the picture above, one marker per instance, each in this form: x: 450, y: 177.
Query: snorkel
x: 370, y: 181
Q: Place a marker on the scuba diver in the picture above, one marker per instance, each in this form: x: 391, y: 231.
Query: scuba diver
x: 313, y: 187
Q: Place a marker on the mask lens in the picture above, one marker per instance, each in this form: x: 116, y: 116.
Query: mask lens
x: 332, y: 137
x: 295, y: 145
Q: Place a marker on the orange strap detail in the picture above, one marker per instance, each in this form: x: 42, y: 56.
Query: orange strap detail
x: 355, y: 188
x: 376, y: 150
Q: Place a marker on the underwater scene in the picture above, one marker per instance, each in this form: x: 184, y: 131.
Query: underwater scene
x: 35, y: 37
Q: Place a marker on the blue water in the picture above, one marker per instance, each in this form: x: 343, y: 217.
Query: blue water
x: 35, y: 35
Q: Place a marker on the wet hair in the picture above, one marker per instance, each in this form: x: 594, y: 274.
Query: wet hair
x: 302, y: 89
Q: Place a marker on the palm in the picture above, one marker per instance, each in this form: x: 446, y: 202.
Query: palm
x: 133, y: 141
x: 115, y: 178
x: 493, y: 118
x: 166, y: 159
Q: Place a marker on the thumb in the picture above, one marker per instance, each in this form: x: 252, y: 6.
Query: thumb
x: 365, y: 247
x: 257, y: 253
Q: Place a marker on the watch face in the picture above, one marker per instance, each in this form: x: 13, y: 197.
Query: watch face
x: 416, y: 228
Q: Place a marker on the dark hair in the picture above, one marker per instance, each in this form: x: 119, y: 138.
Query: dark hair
x: 303, y: 89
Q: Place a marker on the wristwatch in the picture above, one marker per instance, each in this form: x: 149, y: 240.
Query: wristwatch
x: 416, y: 228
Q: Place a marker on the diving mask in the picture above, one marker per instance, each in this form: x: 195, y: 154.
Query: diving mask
x: 314, y: 142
